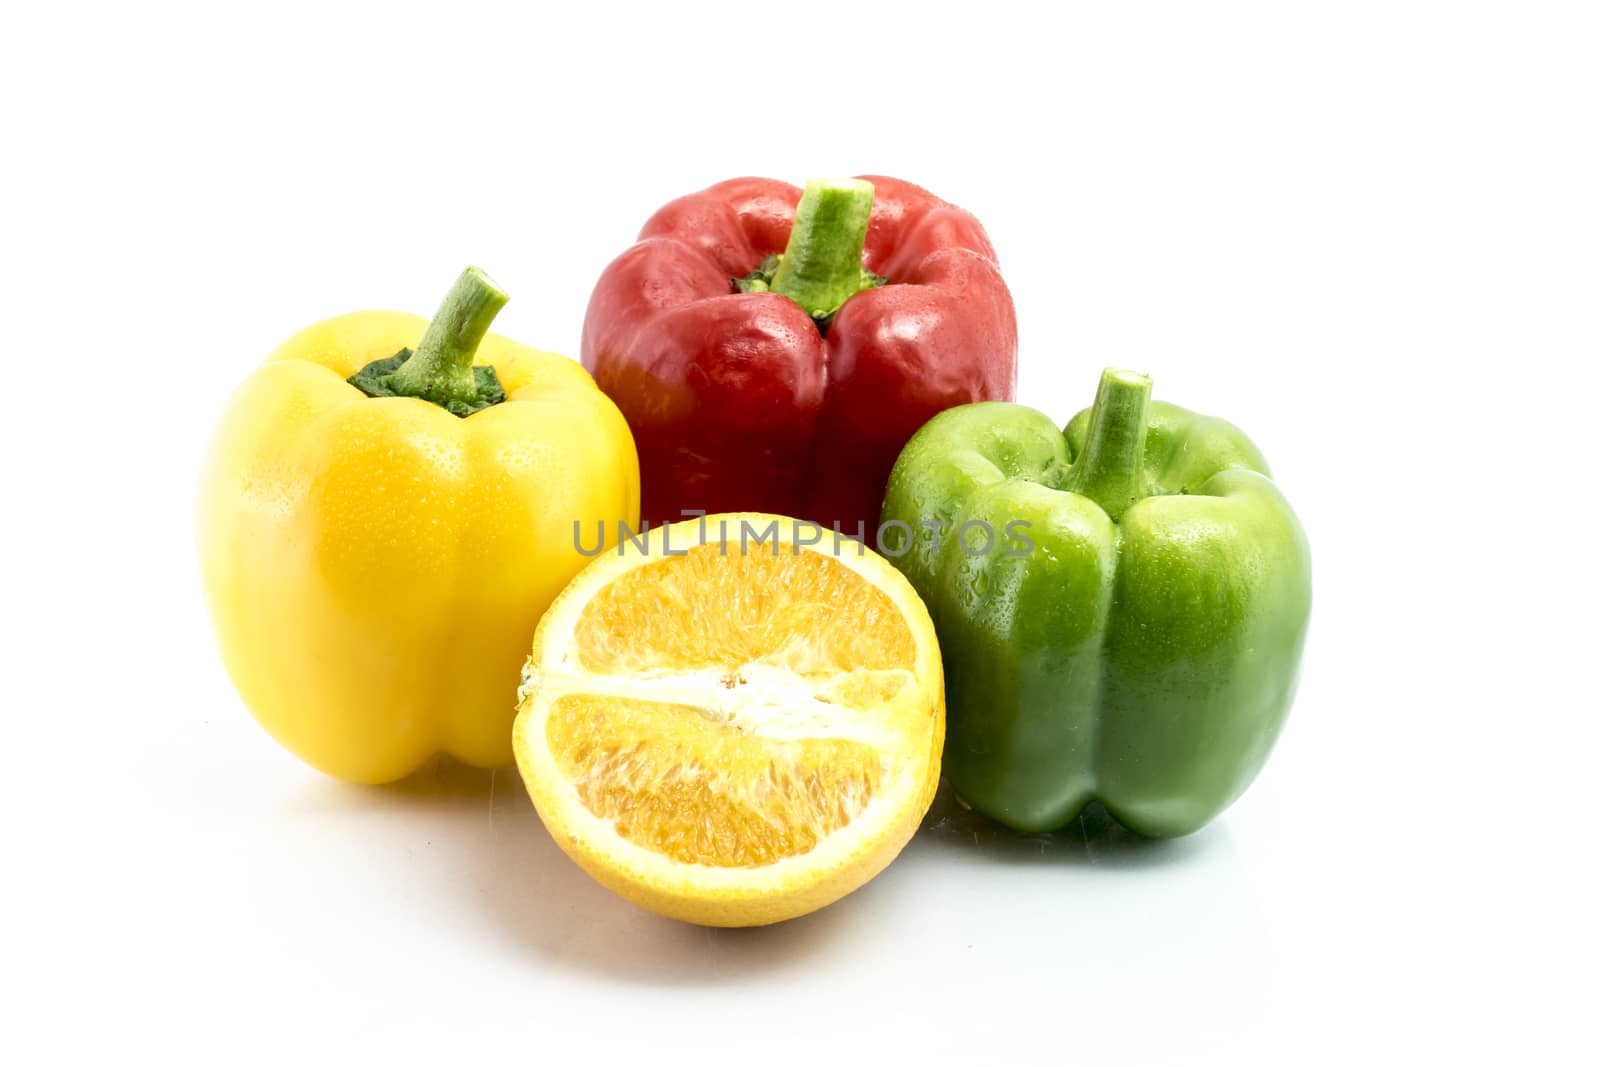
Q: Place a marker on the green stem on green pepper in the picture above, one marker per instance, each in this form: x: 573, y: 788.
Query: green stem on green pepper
x: 440, y: 371
x: 1111, y: 470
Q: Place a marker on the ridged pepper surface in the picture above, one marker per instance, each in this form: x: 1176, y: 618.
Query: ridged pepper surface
x: 1121, y: 607
x: 387, y: 508
x: 774, y: 351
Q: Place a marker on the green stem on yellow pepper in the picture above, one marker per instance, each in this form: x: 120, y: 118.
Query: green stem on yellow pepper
x: 1111, y: 470
x: 820, y: 268
x: 441, y: 371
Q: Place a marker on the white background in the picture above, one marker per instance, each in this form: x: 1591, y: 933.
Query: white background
x: 1369, y: 234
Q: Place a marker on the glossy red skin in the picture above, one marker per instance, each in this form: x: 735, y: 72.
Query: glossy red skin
x: 736, y: 400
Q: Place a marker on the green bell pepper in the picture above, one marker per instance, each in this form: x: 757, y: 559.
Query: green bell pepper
x: 1121, y: 608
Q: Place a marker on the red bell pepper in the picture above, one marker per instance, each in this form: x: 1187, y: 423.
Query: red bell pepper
x: 773, y: 352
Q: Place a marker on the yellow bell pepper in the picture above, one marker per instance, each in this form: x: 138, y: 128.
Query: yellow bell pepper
x: 380, y: 531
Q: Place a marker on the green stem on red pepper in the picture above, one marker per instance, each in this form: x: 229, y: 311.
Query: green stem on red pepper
x: 440, y: 370
x: 820, y: 268
x: 1111, y: 470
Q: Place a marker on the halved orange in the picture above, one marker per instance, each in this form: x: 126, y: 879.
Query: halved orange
x: 729, y: 725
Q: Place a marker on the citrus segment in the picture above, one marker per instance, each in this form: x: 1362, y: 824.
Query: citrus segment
x: 808, y: 613
x: 700, y: 790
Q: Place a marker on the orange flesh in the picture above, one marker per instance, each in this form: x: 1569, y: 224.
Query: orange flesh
x: 706, y: 792
x: 684, y: 781
x: 810, y: 614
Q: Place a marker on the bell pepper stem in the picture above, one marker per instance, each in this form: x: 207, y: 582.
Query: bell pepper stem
x: 821, y: 266
x: 1111, y: 469
x: 440, y: 370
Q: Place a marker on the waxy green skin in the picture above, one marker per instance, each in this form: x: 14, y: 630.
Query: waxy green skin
x: 1148, y: 662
